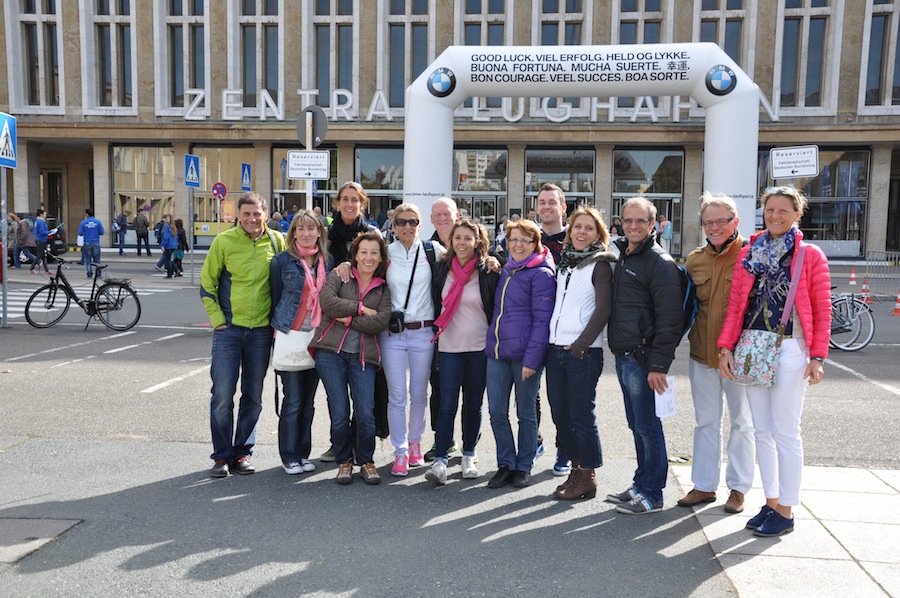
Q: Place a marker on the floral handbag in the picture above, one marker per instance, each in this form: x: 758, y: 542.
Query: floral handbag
x: 756, y: 352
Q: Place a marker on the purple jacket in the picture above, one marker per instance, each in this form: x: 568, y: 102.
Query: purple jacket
x: 523, y: 304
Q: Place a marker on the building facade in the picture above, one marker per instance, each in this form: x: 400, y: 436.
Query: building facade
x: 110, y: 94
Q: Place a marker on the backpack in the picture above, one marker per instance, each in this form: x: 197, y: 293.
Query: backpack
x: 689, y: 303
x: 157, y: 230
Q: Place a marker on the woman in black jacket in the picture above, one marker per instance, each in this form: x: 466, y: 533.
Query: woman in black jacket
x: 463, y: 290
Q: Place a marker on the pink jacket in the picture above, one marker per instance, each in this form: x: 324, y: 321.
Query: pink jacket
x: 813, y: 302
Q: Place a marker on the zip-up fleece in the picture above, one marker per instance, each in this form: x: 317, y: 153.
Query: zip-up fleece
x: 520, y: 326
x: 342, y: 299
x: 234, y: 282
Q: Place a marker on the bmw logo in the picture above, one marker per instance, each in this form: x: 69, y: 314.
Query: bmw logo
x: 720, y: 80
x: 442, y: 82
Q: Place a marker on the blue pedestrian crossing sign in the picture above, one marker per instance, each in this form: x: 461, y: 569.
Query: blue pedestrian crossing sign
x: 7, y: 140
x: 245, y: 177
x: 192, y: 171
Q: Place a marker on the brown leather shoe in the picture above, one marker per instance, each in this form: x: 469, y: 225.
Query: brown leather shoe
x: 735, y: 502
x: 696, y: 497
x: 583, y: 486
x: 573, y: 474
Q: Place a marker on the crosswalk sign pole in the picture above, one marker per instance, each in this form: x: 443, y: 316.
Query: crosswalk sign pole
x: 5, y: 237
x: 193, y: 237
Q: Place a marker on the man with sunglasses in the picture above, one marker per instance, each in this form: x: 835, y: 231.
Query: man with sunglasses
x: 643, y: 331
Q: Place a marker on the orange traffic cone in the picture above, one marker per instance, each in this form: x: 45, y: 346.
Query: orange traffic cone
x: 866, y: 298
x: 896, y: 311
x: 852, y: 278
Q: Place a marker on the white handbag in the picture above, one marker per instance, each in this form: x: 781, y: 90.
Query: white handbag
x: 291, y: 351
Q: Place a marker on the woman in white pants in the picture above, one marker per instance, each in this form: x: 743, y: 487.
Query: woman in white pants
x: 759, y: 290
x: 408, y: 345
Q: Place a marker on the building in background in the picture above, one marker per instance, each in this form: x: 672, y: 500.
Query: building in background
x: 110, y: 94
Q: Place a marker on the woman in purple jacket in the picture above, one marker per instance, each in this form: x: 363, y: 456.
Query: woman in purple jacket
x: 516, y: 344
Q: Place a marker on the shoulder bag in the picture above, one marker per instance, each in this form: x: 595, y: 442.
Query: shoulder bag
x: 756, y: 352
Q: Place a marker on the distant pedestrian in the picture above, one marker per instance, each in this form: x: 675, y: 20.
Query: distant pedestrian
x: 142, y: 230
x: 24, y: 241
x: 120, y: 226
x: 41, y: 232
x: 90, y: 229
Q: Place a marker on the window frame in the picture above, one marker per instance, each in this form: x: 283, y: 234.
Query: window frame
x: 90, y: 61
x: 309, y: 56
x: 890, y: 59
x: 15, y: 20
x: 383, y: 71
x: 162, y: 90
x: 234, y: 54
x: 484, y: 19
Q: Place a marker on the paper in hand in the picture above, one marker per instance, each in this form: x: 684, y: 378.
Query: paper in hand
x: 665, y: 402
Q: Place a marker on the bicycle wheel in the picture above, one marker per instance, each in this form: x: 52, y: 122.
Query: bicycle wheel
x: 118, y: 306
x: 853, y: 325
x: 47, y: 306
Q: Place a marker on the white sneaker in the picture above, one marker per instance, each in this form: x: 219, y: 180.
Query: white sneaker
x: 469, y: 471
x: 292, y: 468
x: 307, y: 465
x: 437, y: 473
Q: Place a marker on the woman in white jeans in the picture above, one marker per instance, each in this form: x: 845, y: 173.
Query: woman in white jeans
x: 760, y: 286
x: 409, y: 346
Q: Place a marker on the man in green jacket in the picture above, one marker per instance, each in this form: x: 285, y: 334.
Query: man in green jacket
x: 234, y: 287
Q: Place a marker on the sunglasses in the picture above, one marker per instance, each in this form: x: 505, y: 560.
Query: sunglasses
x: 401, y: 222
x: 782, y: 190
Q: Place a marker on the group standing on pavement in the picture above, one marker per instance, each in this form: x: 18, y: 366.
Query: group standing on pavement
x: 412, y: 307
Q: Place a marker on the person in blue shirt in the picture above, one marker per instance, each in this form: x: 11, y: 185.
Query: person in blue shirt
x: 91, y: 229
x: 41, y: 232
x: 169, y: 243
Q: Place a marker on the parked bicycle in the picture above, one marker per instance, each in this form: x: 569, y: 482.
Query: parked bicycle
x: 852, y: 323
x: 114, y: 302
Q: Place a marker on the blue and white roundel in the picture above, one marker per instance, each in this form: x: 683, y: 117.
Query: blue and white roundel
x: 442, y: 82
x: 720, y: 80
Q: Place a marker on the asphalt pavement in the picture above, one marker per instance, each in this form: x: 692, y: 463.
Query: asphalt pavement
x: 121, y: 509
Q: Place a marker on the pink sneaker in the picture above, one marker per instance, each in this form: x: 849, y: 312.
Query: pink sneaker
x: 415, y: 454
x: 401, y: 466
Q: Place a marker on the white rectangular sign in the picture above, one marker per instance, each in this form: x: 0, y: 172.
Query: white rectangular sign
x: 309, y: 165
x: 791, y: 162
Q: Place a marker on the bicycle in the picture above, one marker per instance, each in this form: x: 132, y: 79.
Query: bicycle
x: 113, y: 301
x: 852, y: 323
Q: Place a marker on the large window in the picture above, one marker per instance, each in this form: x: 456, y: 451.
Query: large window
x: 183, y: 45
x: 808, y: 41
x: 255, y: 63
x: 563, y: 23
x: 484, y: 24
x: 144, y: 181
x: 728, y: 23
x: 572, y: 170
x: 37, y: 82
x: 335, y: 49
x: 639, y: 22
x: 410, y: 46
x: 108, y: 57
x: 879, y: 84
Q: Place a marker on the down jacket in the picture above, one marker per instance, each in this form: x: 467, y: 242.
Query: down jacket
x: 813, y: 301
x: 520, y: 326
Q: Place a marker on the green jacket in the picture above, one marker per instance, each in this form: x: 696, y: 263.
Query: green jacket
x: 234, y: 283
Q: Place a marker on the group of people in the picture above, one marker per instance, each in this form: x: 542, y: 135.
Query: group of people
x: 30, y: 243
x: 446, y: 311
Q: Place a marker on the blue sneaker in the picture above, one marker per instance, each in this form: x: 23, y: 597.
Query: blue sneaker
x: 539, y: 452
x: 775, y: 524
x: 758, y: 519
x: 563, y: 466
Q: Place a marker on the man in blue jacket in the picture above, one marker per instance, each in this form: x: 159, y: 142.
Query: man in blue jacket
x: 41, y: 232
x: 91, y: 230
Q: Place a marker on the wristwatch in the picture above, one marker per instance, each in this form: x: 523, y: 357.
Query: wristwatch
x: 819, y: 359
x: 723, y: 351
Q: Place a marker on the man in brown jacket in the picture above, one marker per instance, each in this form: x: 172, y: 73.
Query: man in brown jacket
x: 711, y: 267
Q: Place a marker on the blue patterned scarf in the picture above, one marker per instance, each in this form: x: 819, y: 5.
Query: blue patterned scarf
x: 764, y: 262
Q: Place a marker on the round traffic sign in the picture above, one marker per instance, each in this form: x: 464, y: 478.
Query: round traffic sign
x: 219, y: 190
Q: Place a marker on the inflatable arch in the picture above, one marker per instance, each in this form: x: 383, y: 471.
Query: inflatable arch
x: 702, y: 71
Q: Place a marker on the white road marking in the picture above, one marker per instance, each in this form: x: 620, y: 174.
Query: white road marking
x: 72, y: 346
x: 171, y: 381
x: 864, y: 378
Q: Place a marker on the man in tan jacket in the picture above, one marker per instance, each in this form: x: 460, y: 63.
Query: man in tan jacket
x: 711, y: 267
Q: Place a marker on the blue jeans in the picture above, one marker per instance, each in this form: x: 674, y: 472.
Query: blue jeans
x: 90, y: 253
x: 121, y: 235
x: 649, y: 442
x: 502, y: 375
x: 571, y: 391
x: 338, y: 370
x: 295, y: 420
x: 17, y: 263
x: 457, y: 368
x: 244, y: 352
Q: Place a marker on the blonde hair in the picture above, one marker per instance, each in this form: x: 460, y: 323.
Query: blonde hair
x: 306, y: 217
x: 593, y: 214
x: 408, y: 207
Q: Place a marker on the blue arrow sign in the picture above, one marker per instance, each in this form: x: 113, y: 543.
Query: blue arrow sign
x: 192, y: 171
x: 245, y: 177
x: 7, y: 140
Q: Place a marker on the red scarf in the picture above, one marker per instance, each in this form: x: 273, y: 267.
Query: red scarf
x: 314, y: 284
x: 461, y: 276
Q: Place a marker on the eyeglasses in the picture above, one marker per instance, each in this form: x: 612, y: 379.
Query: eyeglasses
x: 720, y: 222
x: 401, y: 222
x: 512, y: 241
x: 640, y: 221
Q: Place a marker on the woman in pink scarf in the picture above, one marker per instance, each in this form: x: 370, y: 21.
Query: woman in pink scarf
x: 463, y: 291
x: 296, y: 276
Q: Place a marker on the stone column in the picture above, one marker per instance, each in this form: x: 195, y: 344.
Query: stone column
x: 879, y: 195
x: 26, y: 178
x: 103, y: 190
x: 515, y: 179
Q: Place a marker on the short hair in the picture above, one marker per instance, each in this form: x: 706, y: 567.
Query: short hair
x: 593, y: 214
x: 253, y: 198
x: 306, y: 217
x: 381, y: 270
x: 529, y: 229
x: 89, y: 212
x: 408, y: 207
x: 641, y: 202
x: 363, y: 198
x: 481, y: 239
x: 798, y: 200
x: 39, y: 212
x: 556, y: 189
x: 720, y: 200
